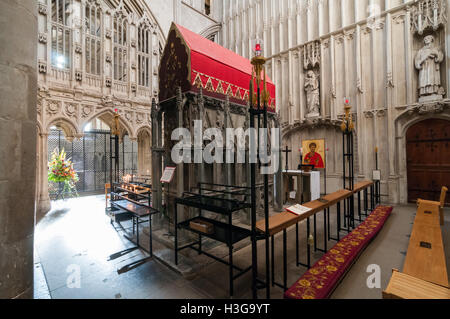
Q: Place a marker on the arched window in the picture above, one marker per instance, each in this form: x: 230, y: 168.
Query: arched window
x: 144, y: 54
x: 208, y: 7
x: 93, y: 32
x: 61, y: 33
x: 120, y: 48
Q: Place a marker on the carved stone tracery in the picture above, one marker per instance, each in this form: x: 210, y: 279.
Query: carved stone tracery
x: 428, y: 14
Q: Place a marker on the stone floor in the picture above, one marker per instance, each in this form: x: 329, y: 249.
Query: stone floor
x: 73, y: 243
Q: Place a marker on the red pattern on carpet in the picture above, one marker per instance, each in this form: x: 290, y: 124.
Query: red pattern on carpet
x: 318, y: 282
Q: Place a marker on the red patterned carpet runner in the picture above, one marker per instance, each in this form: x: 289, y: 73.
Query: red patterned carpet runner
x: 319, y: 281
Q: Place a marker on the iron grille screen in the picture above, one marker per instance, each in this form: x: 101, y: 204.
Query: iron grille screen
x: 90, y: 156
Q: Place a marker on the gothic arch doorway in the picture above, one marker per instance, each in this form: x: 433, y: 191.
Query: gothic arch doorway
x: 428, y: 159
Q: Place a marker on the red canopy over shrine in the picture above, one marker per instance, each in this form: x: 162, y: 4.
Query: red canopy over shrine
x: 192, y: 61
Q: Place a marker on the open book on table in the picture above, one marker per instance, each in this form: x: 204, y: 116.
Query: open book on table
x: 298, y: 209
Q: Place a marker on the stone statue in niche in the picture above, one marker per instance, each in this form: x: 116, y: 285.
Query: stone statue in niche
x: 312, y: 94
x: 428, y: 61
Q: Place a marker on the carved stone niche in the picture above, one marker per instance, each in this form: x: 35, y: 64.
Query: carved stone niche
x: 133, y: 87
x: 311, y: 55
x: 42, y: 8
x: 78, y: 75
x: 42, y: 66
x: 78, y: 49
x: 428, y: 15
x: 42, y: 38
x: 108, y: 58
x: 428, y: 63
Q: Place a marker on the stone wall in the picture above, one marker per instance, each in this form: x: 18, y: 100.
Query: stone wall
x: 361, y: 50
x: 18, y: 22
x: 70, y: 96
x: 188, y: 13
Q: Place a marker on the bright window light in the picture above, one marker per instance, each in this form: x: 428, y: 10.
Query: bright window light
x: 60, y: 62
x: 88, y: 127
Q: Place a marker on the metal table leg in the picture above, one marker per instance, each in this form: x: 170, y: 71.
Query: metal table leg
x: 359, y: 207
x: 372, y: 198
x: 339, y: 221
x: 273, y: 259
x: 307, y: 243
x: 230, y: 251
x: 366, y: 202
x: 176, y: 234
x: 151, y: 235
x: 328, y: 217
x: 285, y: 259
x: 296, y: 244
x: 315, y: 234
x: 325, y: 237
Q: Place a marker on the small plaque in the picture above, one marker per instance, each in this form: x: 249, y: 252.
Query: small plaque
x: 323, y: 200
x: 428, y: 212
x: 168, y: 174
x: 425, y: 245
x: 376, y: 175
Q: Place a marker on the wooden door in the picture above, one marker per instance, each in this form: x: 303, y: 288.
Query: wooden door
x: 428, y: 159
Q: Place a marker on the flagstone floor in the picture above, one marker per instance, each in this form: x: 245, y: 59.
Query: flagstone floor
x: 73, y: 243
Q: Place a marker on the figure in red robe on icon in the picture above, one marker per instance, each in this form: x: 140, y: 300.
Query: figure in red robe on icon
x: 314, y: 158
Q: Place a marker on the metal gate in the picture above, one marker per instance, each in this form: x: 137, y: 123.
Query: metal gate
x: 90, y: 156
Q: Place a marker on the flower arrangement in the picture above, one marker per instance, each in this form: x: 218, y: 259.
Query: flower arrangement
x: 60, y: 170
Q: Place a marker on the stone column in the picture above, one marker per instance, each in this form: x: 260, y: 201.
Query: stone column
x: 144, y: 153
x: 278, y: 202
x: 156, y: 157
x: 18, y: 120
x: 43, y: 204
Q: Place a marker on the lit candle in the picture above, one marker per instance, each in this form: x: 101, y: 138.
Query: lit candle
x: 257, y: 47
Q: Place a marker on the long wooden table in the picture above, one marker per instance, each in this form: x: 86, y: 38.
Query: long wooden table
x: 404, y: 286
x: 358, y: 187
x: 427, y: 263
x: 282, y: 221
x: 364, y: 187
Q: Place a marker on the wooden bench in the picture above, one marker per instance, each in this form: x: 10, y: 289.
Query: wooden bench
x: 321, y: 280
x: 424, y: 271
x: 440, y: 205
x: 425, y: 258
x: 403, y: 286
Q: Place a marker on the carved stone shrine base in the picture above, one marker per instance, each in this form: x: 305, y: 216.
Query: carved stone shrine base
x: 313, y: 115
x: 430, y: 98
